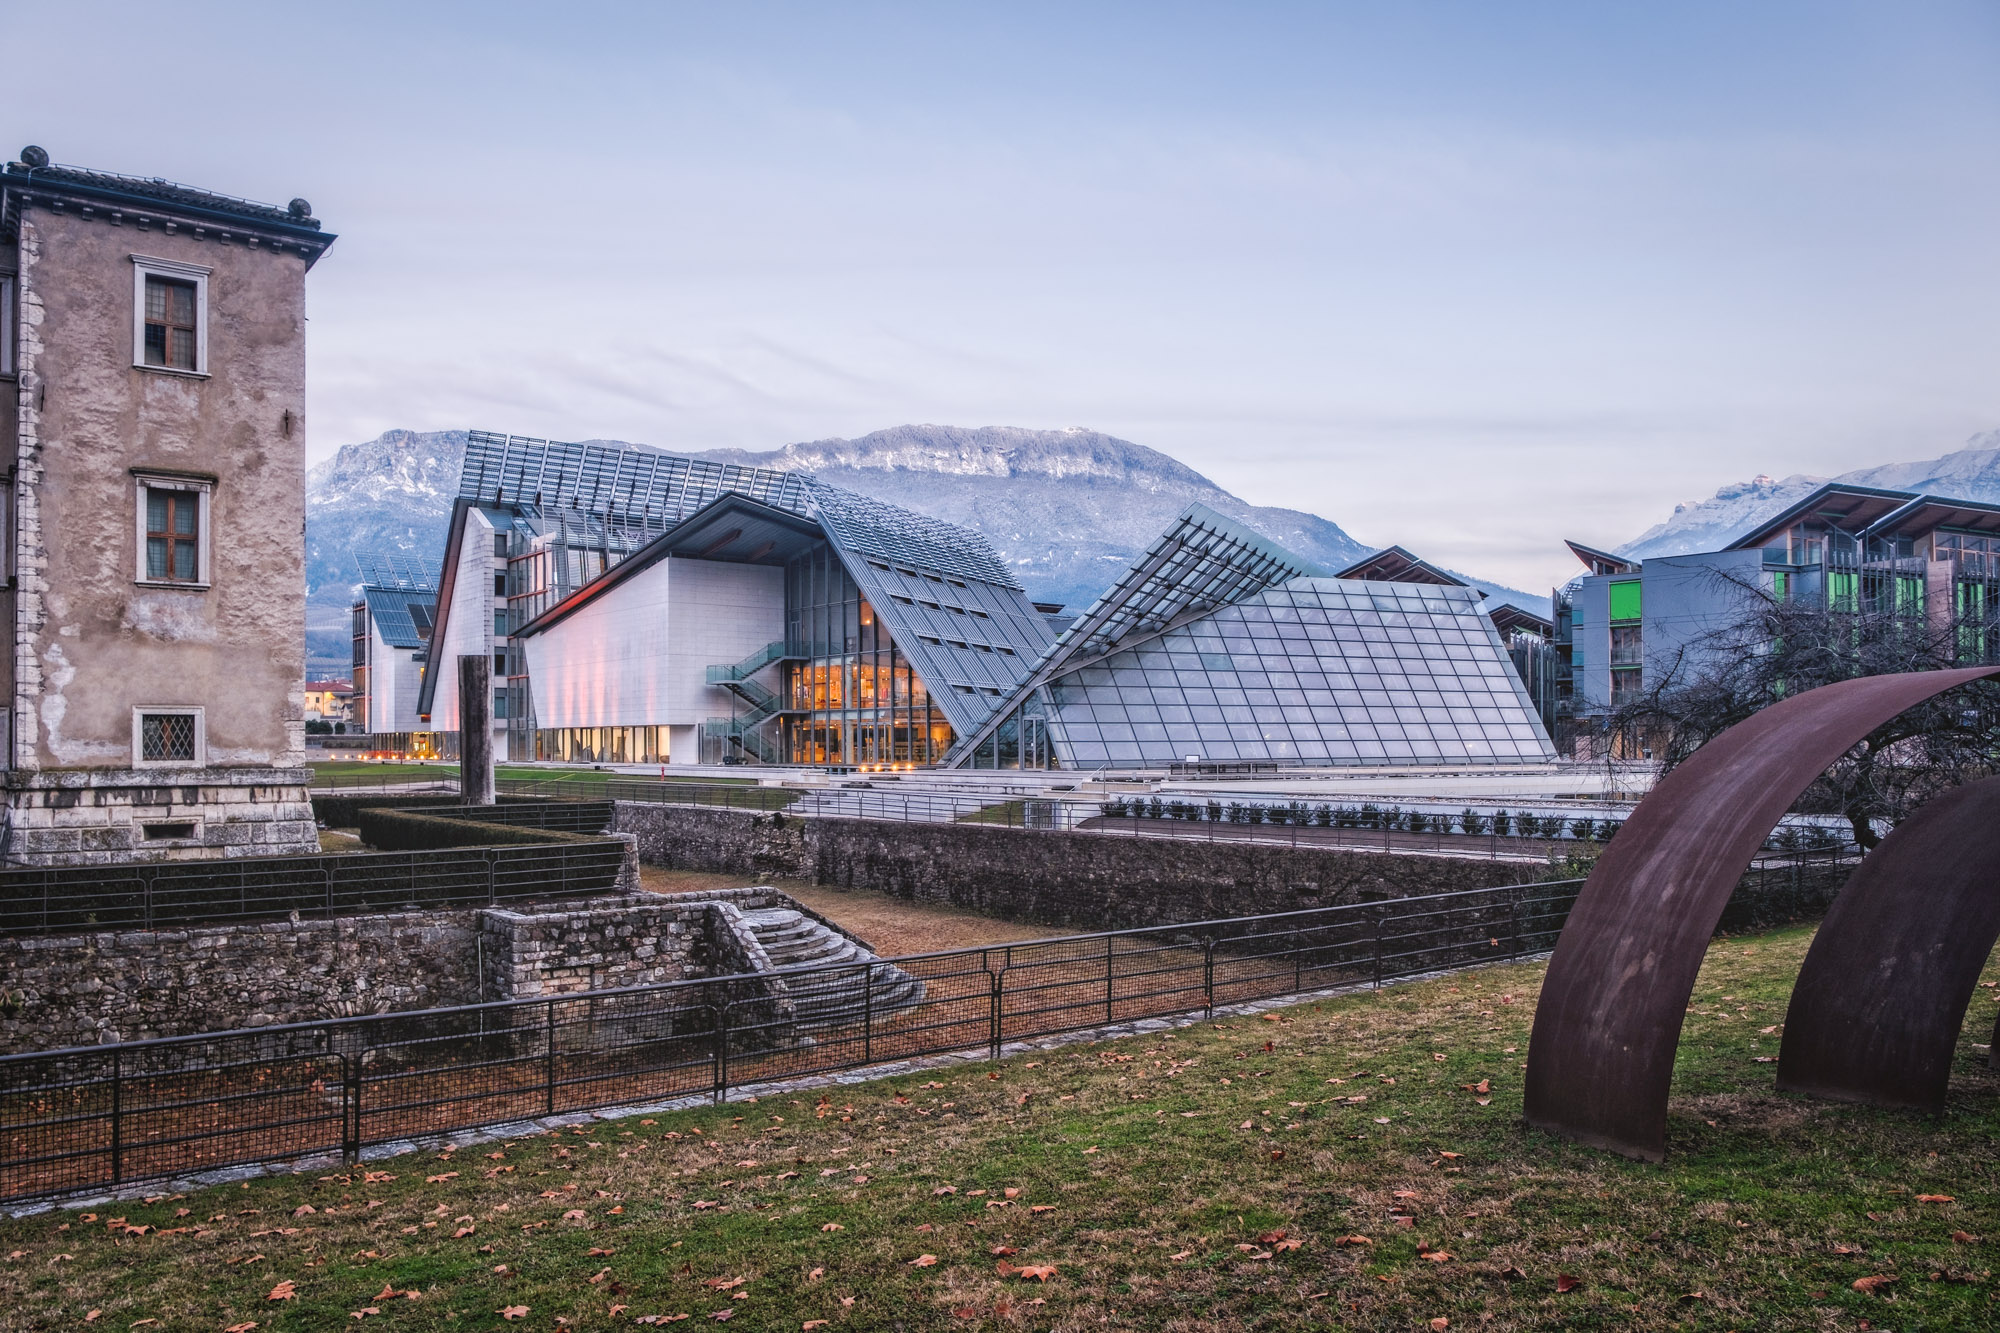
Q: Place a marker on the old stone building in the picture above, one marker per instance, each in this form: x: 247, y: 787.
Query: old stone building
x: 153, y: 337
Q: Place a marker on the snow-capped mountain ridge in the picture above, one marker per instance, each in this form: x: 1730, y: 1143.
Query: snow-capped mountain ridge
x: 1067, y: 510
x: 984, y: 451
x: 1970, y: 473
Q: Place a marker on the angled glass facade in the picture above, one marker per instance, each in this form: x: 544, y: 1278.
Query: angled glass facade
x: 1315, y: 671
x: 853, y: 697
x: 1220, y: 647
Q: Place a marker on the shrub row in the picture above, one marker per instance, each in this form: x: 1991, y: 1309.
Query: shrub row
x: 412, y: 831
x: 1369, y: 816
x: 1501, y: 823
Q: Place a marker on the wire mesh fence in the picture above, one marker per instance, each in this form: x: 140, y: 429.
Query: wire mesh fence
x: 97, y: 1117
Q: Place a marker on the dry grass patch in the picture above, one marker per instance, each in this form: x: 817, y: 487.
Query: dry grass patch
x: 892, y: 926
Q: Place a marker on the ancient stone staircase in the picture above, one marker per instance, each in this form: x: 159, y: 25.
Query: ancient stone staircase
x: 853, y: 985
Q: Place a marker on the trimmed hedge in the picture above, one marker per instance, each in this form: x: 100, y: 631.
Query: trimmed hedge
x: 413, y: 831
x: 340, y: 809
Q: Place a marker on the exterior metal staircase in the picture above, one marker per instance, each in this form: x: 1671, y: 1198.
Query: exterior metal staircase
x: 751, y: 665
x: 761, y: 704
x: 745, y: 736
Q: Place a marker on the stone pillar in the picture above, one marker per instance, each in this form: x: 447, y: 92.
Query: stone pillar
x: 475, y: 729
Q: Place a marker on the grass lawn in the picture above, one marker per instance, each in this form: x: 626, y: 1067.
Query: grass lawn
x: 1222, y: 1176
x: 355, y: 772
x: 582, y: 783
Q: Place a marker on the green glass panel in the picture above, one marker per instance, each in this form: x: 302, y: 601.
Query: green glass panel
x: 1625, y: 600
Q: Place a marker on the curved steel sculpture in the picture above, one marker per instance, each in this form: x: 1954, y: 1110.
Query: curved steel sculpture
x: 1602, y: 1054
x: 1879, y: 1003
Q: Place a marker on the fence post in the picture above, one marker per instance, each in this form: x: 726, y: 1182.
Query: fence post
x: 549, y: 1057
x: 1208, y: 977
x: 721, y: 1013
x: 492, y: 879
x: 117, y: 1111
x: 1379, y: 915
x: 867, y: 1013
x: 1109, y: 940
x: 1514, y: 927
x: 994, y: 1011
x: 350, y: 1102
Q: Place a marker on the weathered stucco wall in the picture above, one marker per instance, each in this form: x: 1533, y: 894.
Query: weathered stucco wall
x: 94, y: 643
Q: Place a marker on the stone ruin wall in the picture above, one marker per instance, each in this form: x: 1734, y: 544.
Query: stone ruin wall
x: 83, y: 990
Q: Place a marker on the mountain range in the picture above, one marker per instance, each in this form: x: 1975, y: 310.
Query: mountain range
x: 1067, y: 509
x: 1970, y: 473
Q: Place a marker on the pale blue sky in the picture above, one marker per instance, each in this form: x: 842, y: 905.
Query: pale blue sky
x: 1469, y: 277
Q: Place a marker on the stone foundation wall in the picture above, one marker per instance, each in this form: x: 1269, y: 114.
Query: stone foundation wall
x: 82, y: 990
x: 531, y: 955
x: 98, y: 817
x: 79, y: 990
x: 1106, y: 883
x: 1046, y: 877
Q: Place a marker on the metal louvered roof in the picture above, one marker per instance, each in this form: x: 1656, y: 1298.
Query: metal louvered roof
x: 402, y: 616
x: 624, y: 483
x: 889, y: 532
x: 390, y: 570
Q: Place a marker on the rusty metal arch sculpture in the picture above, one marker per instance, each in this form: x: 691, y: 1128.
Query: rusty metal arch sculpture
x: 1601, y: 1058
x: 1880, y: 1001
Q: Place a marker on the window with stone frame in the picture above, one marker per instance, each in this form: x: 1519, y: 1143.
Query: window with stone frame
x: 170, y: 316
x: 166, y: 735
x: 173, y: 535
x: 172, y: 335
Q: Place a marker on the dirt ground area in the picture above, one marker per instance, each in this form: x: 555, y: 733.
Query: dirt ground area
x: 893, y: 926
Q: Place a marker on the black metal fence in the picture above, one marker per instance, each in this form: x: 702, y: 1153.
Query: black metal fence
x: 147, y: 895
x: 95, y: 1117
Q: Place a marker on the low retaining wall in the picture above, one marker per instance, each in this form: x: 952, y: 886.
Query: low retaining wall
x: 1051, y: 878
x: 84, y: 990
x: 79, y: 990
x: 1098, y: 882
